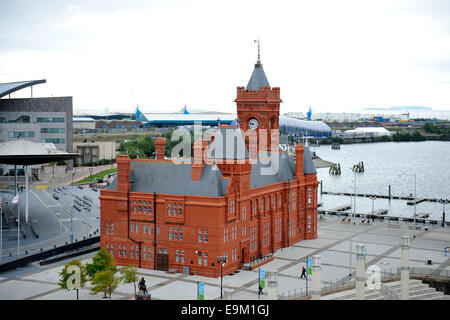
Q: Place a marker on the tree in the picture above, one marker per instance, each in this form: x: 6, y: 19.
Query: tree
x: 70, y: 279
x: 106, y: 282
x: 146, y: 146
x: 129, y: 276
x: 101, y: 261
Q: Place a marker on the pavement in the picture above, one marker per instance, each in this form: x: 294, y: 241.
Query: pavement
x: 51, y: 219
x: 333, y: 246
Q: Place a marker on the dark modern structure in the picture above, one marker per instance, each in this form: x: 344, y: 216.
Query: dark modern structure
x: 43, y: 120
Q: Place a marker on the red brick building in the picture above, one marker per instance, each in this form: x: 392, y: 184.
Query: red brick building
x: 162, y: 215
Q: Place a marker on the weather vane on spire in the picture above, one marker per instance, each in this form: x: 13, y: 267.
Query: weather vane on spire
x: 258, y: 42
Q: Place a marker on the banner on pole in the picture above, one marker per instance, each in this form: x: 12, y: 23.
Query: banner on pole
x: 201, y: 291
x: 309, y: 265
x: 262, y: 278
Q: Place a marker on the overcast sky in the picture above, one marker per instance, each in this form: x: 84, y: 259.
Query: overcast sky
x: 335, y: 56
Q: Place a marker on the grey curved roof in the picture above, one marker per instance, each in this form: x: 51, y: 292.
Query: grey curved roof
x: 25, y: 152
x: 258, y: 78
x: 291, y: 125
x: 7, y: 88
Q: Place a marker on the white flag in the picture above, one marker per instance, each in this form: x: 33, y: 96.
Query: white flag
x: 15, y: 199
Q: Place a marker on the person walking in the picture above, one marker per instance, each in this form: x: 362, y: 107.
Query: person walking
x: 445, y: 251
x: 260, y: 291
x: 303, y: 272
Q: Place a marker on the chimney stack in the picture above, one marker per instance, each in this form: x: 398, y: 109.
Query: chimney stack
x: 123, y: 173
x: 160, y: 147
x: 199, y: 154
x: 299, y: 149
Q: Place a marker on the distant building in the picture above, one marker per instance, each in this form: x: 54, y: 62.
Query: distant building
x: 43, y: 120
x: 166, y: 120
x: 94, y: 152
x: 83, y: 123
x: 366, y: 132
x: 119, y: 125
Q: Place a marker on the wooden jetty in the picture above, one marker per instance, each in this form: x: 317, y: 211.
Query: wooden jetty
x: 415, y: 201
x: 410, y: 200
x: 342, y: 208
x: 378, y: 212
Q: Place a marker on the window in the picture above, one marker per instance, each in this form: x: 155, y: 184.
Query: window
x: 157, y: 229
x: 131, y: 227
x: 144, y: 228
x: 199, y: 258
x: 200, y: 235
x: 205, y: 235
x: 137, y: 227
x: 112, y: 227
x: 22, y: 134
x: 49, y: 119
x: 309, y: 197
x: 134, y: 209
x: 54, y: 140
x: 52, y: 130
x: 205, y: 258
x: 149, y: 207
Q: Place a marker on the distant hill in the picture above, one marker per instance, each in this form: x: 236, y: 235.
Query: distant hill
x: 402, y: 108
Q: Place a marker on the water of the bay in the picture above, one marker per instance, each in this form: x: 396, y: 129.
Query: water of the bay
x: 389, y: 163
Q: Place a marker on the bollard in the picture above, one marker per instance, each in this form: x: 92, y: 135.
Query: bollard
x: 404, y: 270
x: 316, y: 281
x: 360, y: 272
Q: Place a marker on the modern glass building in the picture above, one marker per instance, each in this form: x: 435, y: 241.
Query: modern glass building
x: 45, y: 120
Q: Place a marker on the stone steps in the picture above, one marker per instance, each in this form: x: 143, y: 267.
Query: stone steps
x: 417, y: 291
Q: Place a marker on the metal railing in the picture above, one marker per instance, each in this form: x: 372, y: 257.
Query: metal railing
x: 388, y: 292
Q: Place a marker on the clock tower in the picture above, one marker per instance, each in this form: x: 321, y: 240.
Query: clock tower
x: 258, y: 110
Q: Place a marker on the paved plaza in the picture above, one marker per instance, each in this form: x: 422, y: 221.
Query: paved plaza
x: 382, y: 240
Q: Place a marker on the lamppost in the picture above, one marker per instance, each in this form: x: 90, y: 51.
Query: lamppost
x: 90, y: 175
x: 59, y: 222
x: 373, y: 198
x: 221, y: 260
x: 444, y: 202
x: 415, y: 196
x: 354, y: 193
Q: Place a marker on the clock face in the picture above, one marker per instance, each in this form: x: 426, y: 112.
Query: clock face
x: 253, y: 124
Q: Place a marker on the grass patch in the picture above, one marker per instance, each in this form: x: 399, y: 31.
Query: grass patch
x: 99, y: 175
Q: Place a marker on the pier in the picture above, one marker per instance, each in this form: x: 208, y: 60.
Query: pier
x: 411, y: 200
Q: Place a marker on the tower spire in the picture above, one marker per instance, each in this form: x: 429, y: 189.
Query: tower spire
x: 259, y: 56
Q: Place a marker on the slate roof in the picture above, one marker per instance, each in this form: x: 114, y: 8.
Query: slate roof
x: 228, y: 144
x: 262, y: 175
x: 170, y: 178
x: 258, y: 78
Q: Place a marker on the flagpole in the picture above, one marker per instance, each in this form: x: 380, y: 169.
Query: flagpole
x: 1, y: 232
x: 18, y: 229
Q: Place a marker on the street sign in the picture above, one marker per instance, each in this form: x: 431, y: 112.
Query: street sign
x: 262, y: 278
x: 309, y: 265
x: 201, y: 291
